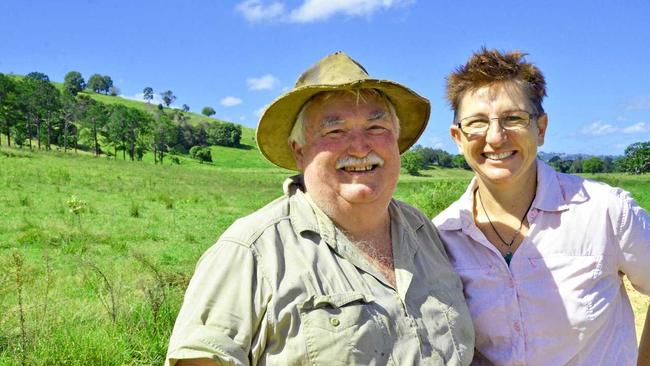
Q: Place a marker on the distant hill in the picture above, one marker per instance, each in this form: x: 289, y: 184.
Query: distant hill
x: 546, y: 156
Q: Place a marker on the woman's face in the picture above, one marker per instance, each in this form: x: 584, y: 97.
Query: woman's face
x: 500, y: 156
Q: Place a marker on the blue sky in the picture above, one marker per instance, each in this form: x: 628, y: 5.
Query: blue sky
x: 237, y: 56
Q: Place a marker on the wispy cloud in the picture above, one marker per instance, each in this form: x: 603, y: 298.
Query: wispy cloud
x: 230, y: 101
x: 641, y: 103
x: 598, y: 128
x: 255, y: 11
x: 319, y: 10
x: 140, y: 97
x: 640, y: 127
x: 266, y: 82
x: 310, y: 11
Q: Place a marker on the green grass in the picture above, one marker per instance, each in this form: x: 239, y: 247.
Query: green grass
x: 90, y: 228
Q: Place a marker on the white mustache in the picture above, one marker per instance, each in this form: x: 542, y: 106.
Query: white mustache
x: 370, y: 159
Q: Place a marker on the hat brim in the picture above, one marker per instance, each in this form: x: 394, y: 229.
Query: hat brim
x: 279, y: 117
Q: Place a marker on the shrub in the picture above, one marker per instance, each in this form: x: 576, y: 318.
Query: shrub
x: 202, y: 154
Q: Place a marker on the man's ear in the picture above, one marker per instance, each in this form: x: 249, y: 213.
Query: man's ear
x: 456, y: 135
x: 298, y: 155
x: 542, y: 123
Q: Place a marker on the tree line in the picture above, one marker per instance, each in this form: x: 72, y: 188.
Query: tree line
x: 36, y: 114
x: 636, y: 160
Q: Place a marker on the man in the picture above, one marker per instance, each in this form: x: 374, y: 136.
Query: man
x: 541, y: 254
x: 335, y: 272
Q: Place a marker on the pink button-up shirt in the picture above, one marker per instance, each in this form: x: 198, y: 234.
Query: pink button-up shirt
x: 561, y: 301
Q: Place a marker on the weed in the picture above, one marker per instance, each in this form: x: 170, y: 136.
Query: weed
x: 134, y: 210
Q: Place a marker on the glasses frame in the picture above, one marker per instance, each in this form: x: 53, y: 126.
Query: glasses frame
x: 531, y: 117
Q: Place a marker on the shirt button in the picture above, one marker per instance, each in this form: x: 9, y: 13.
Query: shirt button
x: 517, y: 327
x: 335, y: 322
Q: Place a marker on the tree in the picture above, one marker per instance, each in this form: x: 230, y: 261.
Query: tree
x: 74, y: 82
x: 35, y: 75
x: 576, y: 166
x: 458, y: 161
x: 224, y: 134
x: 92, y: 122
x: 147, y: 94
x: 96, y: 83
x: 208, y: 111
x: 108, y: 85
x: 168, y: 97
x: 185, y: 108
x: 637, y: 158
x: 592, y: 165
x: 163, y: 133
x: 41, y: 102
x: 7, y: 88
x: 412, y: 162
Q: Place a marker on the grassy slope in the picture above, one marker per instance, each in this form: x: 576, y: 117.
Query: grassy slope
x: 169, y: 214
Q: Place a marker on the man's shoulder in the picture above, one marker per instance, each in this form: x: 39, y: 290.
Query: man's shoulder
x: 246, y: 230
x: 412, y: 215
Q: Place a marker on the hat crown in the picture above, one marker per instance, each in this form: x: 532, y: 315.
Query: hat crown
x: 334, y: 69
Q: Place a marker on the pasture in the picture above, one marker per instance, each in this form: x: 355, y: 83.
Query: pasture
x: 97, y: 252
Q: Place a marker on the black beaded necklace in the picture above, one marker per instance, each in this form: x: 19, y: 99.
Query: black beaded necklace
x: 508, y: 255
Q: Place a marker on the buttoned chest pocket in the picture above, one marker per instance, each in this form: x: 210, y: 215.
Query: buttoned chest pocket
x: 342, y: 329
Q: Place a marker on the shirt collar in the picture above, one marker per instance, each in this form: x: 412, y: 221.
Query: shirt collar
x: 550, y: 196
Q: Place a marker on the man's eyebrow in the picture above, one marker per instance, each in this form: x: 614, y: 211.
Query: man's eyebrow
x: 330, y: 121
x: 377, y: 115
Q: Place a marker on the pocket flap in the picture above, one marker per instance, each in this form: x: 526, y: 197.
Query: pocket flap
x: 336, y: 300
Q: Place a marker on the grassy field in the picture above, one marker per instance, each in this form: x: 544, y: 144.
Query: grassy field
x: 96, y: 252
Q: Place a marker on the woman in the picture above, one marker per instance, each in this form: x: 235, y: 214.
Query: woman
x: 541, y: 254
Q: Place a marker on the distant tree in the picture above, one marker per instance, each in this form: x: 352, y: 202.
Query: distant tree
x: 108, y: 84
x: 224, y: 134
x: 73, y: 82
x: 458, y: 161
x: 96, y: 83
x: 114, y: 91
x: 208, y: 111
x: 160, y: 106
x: 117, y: 129
x: 163, y: 134
x: 8, y: 106
x: 185, y: 108
x: 168, y: 97
x: 35, y: 75
x: 412, y: 162
x: 592, y: 165
x: 200, y: 153
x: 637, y: 158
x: 70, y: 112
x: 562, y: 166
x: 608, y: 164
x: 576, y: 166
x: 147, y: 94
x: 41, y: 102
x: 92, y: 122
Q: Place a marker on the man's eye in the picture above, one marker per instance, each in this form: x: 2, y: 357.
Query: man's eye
x: 377, y: 129
x: 334, y: 132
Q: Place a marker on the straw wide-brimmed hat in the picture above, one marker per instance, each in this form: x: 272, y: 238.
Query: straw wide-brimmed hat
x: 335, y: 72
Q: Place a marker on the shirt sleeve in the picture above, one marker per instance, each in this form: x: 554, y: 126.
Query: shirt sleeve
x: 633, y: 233
x: 223, y: 309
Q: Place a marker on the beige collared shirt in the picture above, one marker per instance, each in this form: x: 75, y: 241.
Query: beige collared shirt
x: 284, y: 286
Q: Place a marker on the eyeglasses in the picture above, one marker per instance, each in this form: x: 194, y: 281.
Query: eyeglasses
x: 511, y: 121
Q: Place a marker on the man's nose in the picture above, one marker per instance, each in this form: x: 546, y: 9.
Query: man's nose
x: 496, y: 135
x: 359, y: 144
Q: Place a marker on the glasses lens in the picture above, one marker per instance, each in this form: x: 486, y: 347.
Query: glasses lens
x: 474, y: 124
x: 515, y: 120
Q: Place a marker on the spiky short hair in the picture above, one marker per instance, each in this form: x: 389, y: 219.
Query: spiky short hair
x: 487, y: 67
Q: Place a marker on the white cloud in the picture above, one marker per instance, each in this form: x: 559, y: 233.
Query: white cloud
x: 319, y: 10
x: 254, y: 11
x: 140, y: 97
x: 314, y: 10
x: 266, y: 82
x: 598, y: 128
x: 640, y: 127
x: 641, y: 103
x: 230, y: 101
